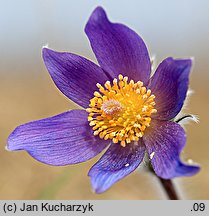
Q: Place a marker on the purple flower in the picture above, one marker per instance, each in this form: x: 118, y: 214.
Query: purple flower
x: 125, y: 110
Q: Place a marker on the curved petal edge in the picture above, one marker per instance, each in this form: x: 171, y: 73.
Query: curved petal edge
x: 75, y: 76
x: 116, y: 163
x: 165, y: 141
x: 118, y: 49
x: 59, y: 140
x: 169, y: 84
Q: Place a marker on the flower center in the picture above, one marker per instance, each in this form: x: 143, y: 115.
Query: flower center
x: 121, y: 111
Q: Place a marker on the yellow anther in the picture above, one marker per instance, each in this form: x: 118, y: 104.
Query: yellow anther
x: 88, y: 110
x: 125, y: 79
x: 139, y: 134
x: 97, y: 94
x: 120, y: 77
x: 90, y: 118
x: 148, y: 92
x: 144, y: 96
x: 92, y: 123
x: 122, y: 111
x: 131, y: 83
x: 152, y: 97
x: 122, y: 131
x: 143, y: 90
x: 153, y: 111
x: 136, y: 125
x: 140, y: 84
x: 111, y: 121
x: 106, y: 137
x: 113, y: 133
x: 107, y: 85
x: 123, y: 143
x: 128, y: 140
x: 143, y: 127
x: 98, y: 85
x: 138, y: 116
x: 115, y: 140
x: 144, y: 108
x: 120, y: 119
x: 96, y: 133
x: 104, y: 127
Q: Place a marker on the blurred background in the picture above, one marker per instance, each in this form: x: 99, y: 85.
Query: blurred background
x: 169, y: 28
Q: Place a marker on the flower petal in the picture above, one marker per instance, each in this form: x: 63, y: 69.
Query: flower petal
x: 115, y: 164
x: 164, y: 141
x: 169, y: 84
x: 60, y: 140
x: 118, y: 49
x: 75, y: 76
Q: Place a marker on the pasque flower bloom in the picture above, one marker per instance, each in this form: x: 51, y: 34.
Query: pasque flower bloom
x: 125, y: 110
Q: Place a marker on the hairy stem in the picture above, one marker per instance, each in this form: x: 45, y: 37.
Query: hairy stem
x: 169, y: 188
x: 167, y: 185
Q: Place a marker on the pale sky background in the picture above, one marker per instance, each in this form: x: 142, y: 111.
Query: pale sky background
x: 177, y: 28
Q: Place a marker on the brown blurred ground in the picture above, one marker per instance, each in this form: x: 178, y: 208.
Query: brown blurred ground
x: 33, y: 96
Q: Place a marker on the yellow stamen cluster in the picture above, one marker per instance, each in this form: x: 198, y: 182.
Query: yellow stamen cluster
x: 121, y: 111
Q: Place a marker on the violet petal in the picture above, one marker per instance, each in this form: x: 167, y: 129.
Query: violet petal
x: 165, y: 140
x: 75, y: 76
x: 116, y: 163
x: 169, y: 84
x: 118, y: 49
x: 59, y: 140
